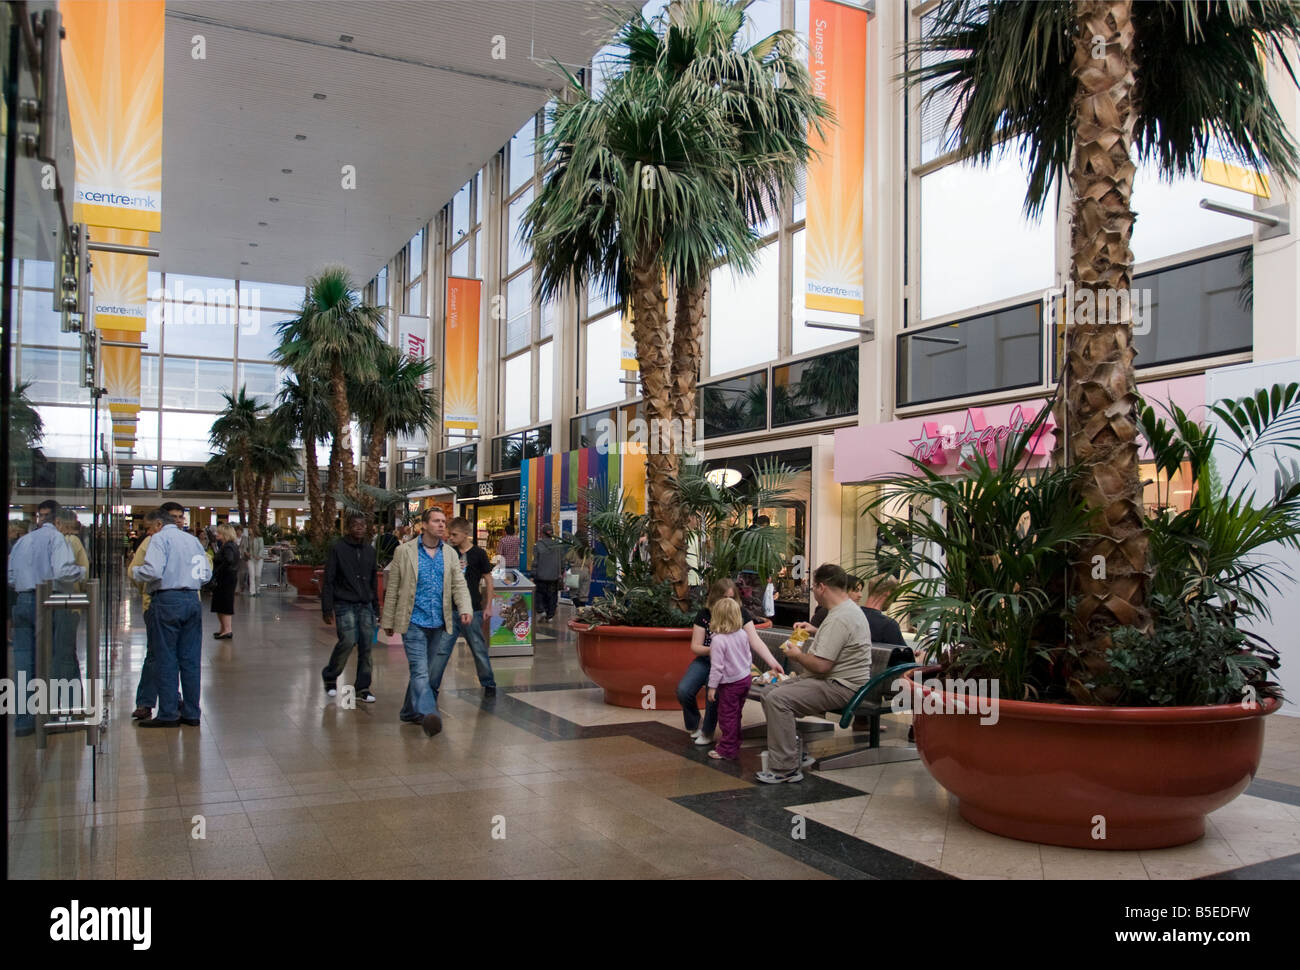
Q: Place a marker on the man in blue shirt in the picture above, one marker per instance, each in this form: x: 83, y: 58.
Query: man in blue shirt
x: 42, y: 555
x: 425, y: 594
x: 175, y: 566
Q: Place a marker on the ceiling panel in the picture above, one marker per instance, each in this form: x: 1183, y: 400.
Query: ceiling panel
x: 415, y: 101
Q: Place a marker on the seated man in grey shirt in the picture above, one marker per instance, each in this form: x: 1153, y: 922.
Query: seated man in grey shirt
x: 836, y: 664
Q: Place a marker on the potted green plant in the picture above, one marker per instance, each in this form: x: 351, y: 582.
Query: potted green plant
x: 636, y: 635
x: 1175, y: 729
x: 308, y: 565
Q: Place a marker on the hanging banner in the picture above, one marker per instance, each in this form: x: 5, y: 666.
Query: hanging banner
x: 121, y: 371
x: 413, y: 337
x: 113, y: 65
x: 1232, y: 171
x: 627, y: 345
x: 460, y: 357
x: 837, y: 60
x: 121, y: 282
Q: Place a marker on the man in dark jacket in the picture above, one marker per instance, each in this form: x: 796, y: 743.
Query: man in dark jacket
x: 350, y: 596
x: 548, y: 567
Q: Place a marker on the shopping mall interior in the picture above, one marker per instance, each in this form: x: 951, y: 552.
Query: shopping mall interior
x: 309, y: 269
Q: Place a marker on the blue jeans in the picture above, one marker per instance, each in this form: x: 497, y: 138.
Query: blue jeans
x: 179, y: 627
x: 473, y: 635
x: 355, y: 623
x: 697, y: 676
x: 424, y: 645
x: 24, y: 652
x: 146, y: 692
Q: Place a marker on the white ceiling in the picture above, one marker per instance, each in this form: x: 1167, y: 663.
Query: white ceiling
x: 415, y: 101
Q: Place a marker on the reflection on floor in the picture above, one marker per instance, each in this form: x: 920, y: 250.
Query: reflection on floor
x: 542, y: 781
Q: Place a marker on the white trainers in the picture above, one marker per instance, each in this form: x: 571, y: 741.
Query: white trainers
x: 703, y: 740
x: 366, y: 696
x: 695, y: 734
x: 332, y: 691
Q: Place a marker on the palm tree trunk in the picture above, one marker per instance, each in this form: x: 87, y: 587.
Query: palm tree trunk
x: 688, y: 332
x: 264, y: 504
x: 331, y: 515
x: 650, y: 330
x: 1098, y: 410
x: 343, y: 434
x: 313, y: 488
x: 374, y: 454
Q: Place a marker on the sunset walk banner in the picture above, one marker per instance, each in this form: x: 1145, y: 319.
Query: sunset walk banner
x: 837, y: 52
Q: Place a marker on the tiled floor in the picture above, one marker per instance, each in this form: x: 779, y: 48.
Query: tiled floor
x: 543, y: 781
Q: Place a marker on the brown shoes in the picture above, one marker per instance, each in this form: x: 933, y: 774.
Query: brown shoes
x: 432, y: 724
x: 142, y: 713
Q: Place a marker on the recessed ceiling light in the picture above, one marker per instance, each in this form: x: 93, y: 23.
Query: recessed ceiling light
x: 271, y: 198
x: 286, y: 171
x: 300, y: 137
x: 345, y: 38
x: 318, y: 96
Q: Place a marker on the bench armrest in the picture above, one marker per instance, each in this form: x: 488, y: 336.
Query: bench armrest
x: 879, y: 684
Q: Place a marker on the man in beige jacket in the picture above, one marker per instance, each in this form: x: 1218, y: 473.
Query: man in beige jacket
x: 426, y: 592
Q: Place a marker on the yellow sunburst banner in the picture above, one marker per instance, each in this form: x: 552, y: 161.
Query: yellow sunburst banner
x: 121, y: 371
x: 460, y: 373
x: 837, y: 59
x: 113, y: 65
x: 121, y: 282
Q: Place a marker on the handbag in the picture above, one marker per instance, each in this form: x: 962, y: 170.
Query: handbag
x: 572, y: 580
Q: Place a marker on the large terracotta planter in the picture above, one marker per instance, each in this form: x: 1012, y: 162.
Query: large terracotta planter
x: 302, y: 577
x: 1045, y: 772
x: 624, y: 660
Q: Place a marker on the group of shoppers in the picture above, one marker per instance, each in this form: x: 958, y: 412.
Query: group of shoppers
x: 170, y: 567
x: 834, y: 665
x: 436, y: 587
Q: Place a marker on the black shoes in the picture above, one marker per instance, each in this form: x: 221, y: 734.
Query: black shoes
x: 155, y: 722
x: 223, y: 636
x: 190, y: 721
x: 432, y: 724
x: 489, y: 692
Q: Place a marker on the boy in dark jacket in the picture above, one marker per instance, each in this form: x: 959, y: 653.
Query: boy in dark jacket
x: 350, y: 596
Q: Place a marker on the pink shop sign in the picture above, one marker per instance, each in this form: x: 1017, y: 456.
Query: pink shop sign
x: 948, y: 442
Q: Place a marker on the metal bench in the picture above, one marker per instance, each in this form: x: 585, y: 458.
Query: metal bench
x: 871, y: 700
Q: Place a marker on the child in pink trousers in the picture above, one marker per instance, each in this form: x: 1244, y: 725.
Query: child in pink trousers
x: 729, y: 660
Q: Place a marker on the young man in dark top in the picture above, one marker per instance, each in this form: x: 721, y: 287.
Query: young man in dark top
x: 884, y: 629
x: 478, y: 569
x: 349, y: 599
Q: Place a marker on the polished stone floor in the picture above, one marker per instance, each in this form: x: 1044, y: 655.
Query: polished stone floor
x: 542, y: 781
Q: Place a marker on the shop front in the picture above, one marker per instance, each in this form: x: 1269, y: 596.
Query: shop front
x: 489, y: 506
x: 790, y: 513
x: 948, y: 442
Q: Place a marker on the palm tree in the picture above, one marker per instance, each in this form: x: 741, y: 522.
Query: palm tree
x: 26, y: 429
x: 270, y: 456
x: 401, y: 401
x: 658, y: 179
x: 332, y: 339
x: 233, y: 437
x: 1084, y: 87
x: 304, y: 405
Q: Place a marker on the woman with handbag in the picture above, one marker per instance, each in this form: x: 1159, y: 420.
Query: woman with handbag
x: 225, y: 573
x: 577, y: 578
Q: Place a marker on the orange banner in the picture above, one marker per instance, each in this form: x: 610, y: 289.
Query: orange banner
x: 113, y: 65
x: 460, y: 356
x: 837, y: 60
x: 121, y: 371
x: 121, y: 282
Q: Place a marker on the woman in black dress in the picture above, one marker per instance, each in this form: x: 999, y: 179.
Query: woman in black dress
x: 225, y: 570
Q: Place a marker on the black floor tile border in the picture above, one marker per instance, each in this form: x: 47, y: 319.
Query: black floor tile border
x: 1287, y: 867
x: 765, y: 816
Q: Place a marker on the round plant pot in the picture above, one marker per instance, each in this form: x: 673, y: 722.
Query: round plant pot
x: 304, y: 578
x: 624, y: 660
x: 1088, y: 777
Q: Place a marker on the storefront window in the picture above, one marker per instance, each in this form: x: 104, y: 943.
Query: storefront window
x: 734, y: 405
x: 995, y: 351
x: 820, y: 387
x: 743, y: 314
x: 977, y: 247
x: 603, y: 355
